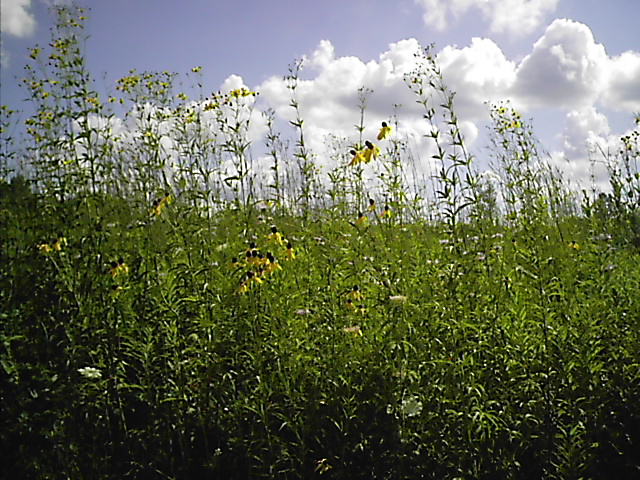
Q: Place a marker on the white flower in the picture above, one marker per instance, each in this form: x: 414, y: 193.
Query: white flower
x: 90, y: 372
x: 411, y: 407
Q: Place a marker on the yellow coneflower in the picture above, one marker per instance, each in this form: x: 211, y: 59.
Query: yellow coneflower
x: 276, y: 236
x: 160, y: 203
x: 272, y: 265
x: 372, y: 205
x: 357, y: 158
x: 386, y: 213
x: 385, y: 131
x: 355, y: 294
x: 362, y: 220
x: 371, y: 152
x: 290, y: 253
x: 573, y: 245
x: 61, y: 242
x: 44, y: 248
x: 118, y: 268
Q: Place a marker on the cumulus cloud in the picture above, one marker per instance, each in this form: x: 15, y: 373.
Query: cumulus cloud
x: 478, y: 73
x: 16, y: 20
x: 514, y: 17
x: 623, y: 90
x: 566, y: 68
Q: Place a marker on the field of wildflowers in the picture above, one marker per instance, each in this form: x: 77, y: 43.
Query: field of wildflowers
x: 185, y: 317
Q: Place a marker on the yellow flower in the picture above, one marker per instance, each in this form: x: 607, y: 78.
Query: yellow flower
x: 241, y: 92
x: 371, y: 152
x: 272, y: 265
x: 362, y: 220
x: 61, y: 242
x: 44, y: 248
x: 290, y: 253
x: 355, y: 294
x: 572, y: 244
x: 385, y: 131
x: 118, y: 268
x: 357, y: 158
x: 386, y: 213
x: 276, y: 237
x: 160, y: 203
x: 372, y: 205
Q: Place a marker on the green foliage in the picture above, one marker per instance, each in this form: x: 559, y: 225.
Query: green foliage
x: 187, y: 321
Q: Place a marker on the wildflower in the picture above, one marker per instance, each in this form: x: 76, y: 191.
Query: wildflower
x: 303, y: 311
x: 241, y: 92
x: 160, y: 203
x: 115, y: 290
x: 276, y: 237
x: 372, y: 205
x: 354, y: 329
x: 371, y: 152
x: 118, y: 268
x: 355, y: 293
x: 254, y: 258
x: 385, y: 131
x: 250, y: 280
x: 362, y: 220
x: 357, y: 158
x: 91, y: 373
x: 61, y: 242
x: 572, y: 244
x: 411, y: 407
x: 290, y: 253
x: 272, y: 265
x: 235, y: 263
x: 397, y: 299
x: 44, y: 248
x: 386, y: 213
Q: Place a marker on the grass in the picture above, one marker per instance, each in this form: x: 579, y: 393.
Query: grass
x: 473, y: 329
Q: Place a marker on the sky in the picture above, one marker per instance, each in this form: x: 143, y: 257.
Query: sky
x: 571, y: 67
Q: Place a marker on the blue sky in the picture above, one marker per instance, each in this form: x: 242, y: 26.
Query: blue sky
x: 571, y: 66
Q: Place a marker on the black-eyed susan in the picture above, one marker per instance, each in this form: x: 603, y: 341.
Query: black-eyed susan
x: 372, y: 205
x: 357, y: 158
x: 386, y: 213
x: 385, y: 131
x: 371, y: 152
x: 573, y: 245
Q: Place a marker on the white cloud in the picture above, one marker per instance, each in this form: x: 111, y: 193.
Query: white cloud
x: 514, y: 17
x: 478, y: 73
x: 566, y: 68
x: 16, y: 19
x: 623, y: 90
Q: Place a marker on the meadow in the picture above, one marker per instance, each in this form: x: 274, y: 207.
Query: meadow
x: 170, y: 310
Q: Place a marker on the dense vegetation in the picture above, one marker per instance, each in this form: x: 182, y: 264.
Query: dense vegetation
x: 169, y: 310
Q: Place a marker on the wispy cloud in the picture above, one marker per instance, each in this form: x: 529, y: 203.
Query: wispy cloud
x: 513, y: 17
